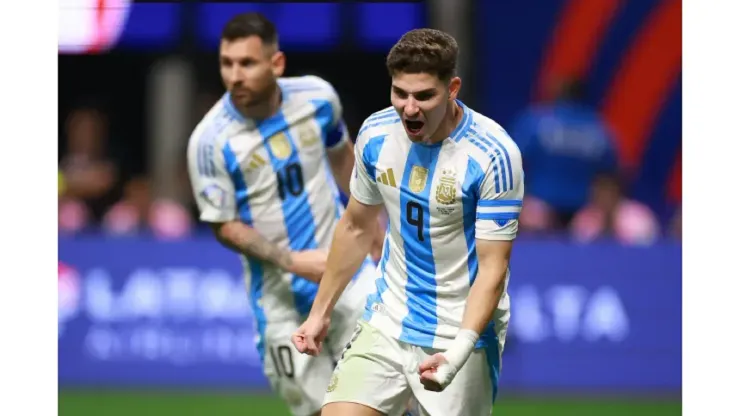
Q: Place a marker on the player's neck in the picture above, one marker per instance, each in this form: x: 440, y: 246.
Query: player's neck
x: 453, y: 116
x: 265, y: 110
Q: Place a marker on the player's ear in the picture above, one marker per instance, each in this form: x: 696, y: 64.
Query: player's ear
x: 278, y: 63
x: 454, y: 87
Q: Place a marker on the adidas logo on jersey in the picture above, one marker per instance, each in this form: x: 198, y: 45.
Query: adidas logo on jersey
x: 387, y: 178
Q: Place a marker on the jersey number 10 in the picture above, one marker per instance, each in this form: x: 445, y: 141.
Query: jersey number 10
x: 290, y: 181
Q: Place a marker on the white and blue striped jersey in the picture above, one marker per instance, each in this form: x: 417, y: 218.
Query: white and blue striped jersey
x: 274, y: 176
x: 440, y: 198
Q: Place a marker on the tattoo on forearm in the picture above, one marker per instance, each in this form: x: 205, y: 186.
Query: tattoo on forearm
x: 253, y: 244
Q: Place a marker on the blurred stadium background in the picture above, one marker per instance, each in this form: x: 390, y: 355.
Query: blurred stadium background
x: 153, y: 317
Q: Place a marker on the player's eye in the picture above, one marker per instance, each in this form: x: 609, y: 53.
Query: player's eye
x: 424, y: 96
x: 400, y: 93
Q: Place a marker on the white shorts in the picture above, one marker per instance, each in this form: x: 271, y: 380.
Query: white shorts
x: 382, y: 373
x: 300, y: 379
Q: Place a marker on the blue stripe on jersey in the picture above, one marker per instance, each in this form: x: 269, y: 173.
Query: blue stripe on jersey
x: 383, y: 122
x: 419, y: 326
x: 370, y: 154
x: 207, y: 142
x: 324, y: 115
x: 380, y: 283
x: 331, y: 132
x: 496, y: 181
x: 506, y: 156
x: 498, y: 159
x: 240, y: 185
x: 473, y: 178
x: 381, y: 114
x: 302, y: 85
x: 489, y: 341
x: 299, y: 222
x: 464, y: 125
x: 255, y: 267
x: 500, y: 203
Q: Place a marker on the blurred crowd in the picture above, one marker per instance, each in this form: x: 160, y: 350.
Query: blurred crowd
x: 574, y: 183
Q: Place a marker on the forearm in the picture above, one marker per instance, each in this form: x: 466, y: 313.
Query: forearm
x: 484, y: 298
x: 342, y: 162
x: 349, y: 248
x: 246, y: 240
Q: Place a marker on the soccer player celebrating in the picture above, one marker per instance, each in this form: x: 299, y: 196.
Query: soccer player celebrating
x: 451, y: 181
x: 261, y: 164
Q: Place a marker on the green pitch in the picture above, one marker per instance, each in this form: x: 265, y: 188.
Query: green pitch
x: 158, y: 403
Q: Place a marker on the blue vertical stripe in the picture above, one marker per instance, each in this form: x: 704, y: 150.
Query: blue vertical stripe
x: 299, y: 222
x: 496, y: 181
x: 462, y: 127
x: 331, y: 130
x: 419, y: 326
x: 473, y: 178
x: 255, y: 267
x: 324, y: 117
x: 380, y: 283
x: 371, y: 153
x: 501, y: 158
x: 489, y: 339
x: 510, y: 175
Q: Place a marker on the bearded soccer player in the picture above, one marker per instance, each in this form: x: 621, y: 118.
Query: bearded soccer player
x: 266, y: 163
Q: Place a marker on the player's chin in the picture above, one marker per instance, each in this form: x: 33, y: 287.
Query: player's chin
x: 416, y: 137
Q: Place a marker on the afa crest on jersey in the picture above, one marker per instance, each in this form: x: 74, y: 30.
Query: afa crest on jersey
x: 307, y: 135
x: 446, y: 190
x: 418, y: 179
x: 280, y: 146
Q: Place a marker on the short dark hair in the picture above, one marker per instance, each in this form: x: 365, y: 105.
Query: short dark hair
x: 244, y: 25
x: 424, y: 51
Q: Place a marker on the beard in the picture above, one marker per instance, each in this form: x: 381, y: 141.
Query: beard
x: 248, y: 98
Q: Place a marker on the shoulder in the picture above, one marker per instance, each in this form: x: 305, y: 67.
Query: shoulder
x: 381, y: 123
x: 309, y: 87
x: 489, y: 142
x: 210, y: 131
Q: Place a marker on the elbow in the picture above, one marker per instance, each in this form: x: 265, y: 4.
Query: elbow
x: 223, y: 232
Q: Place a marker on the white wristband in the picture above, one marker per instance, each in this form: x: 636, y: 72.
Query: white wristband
x: 462, y: 346
x: 456, y: 355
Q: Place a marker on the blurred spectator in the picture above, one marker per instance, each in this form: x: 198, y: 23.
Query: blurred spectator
x: 137, y: 211
x: 565, y: 145
x: 87, y: 175
x: 609, y: 214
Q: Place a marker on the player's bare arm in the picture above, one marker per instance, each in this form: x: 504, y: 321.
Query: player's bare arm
x: 351, y: 243
x: 246, y: 240
x: 486, y: 291
x: 341, y: 160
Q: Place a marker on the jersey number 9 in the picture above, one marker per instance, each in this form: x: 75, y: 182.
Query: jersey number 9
x: 290, y: 181
x: 415, y: 217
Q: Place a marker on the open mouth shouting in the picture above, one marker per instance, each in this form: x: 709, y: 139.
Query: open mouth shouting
x: 414, y: 127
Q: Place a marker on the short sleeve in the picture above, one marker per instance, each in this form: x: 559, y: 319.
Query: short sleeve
x: 212, y: 186
x: 500, y: 196
x: 337, y: 133
x: 363, y: 185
